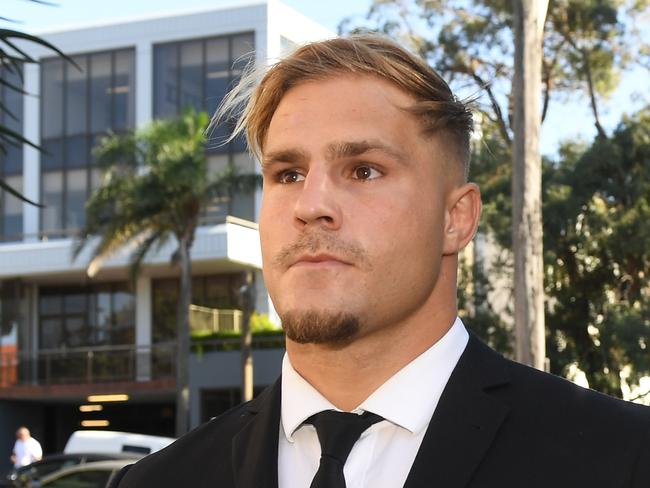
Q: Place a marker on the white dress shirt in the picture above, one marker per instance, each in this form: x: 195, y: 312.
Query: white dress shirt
x: 383, y: 456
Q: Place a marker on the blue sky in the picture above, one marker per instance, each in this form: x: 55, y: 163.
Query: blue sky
x: 565, y: 120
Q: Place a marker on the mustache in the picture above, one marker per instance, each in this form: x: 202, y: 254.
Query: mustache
x: 321, y: 242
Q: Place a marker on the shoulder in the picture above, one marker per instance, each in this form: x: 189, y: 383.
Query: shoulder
x: 523, y: 388
x: 196, y: 459
x: 550, y: 391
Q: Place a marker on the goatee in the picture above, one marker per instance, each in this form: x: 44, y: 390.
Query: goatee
x: 320, y: 327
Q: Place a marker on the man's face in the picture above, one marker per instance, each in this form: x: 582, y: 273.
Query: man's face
x: 353, y: 210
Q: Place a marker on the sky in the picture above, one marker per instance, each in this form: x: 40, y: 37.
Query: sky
x: 568, y: 120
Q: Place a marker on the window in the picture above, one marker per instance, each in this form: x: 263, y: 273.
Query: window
x: 78, y: 107
x: 86, y: 316
x: 217, y: 291
x: 198, y: 74
x: 11, y: 162
x: 89, y: 478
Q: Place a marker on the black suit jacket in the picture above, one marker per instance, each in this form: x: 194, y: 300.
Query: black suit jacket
x: 498, y: 424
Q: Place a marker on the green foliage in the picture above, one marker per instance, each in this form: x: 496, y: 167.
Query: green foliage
x: 597, y: 253
x: 260, y: 322
x: 596, y: 250
x: 261, y: 328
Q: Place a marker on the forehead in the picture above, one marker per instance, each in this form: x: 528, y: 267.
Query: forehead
x: 372, y: 107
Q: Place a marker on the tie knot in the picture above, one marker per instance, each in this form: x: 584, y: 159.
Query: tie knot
x: 339, y: 431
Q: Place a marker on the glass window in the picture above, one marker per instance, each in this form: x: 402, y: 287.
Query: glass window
x: 76, y: 148
x: 76, y: 97
x: 52, y: 93
x: 100, y: 92
x: 123, y: 88
x: 51, y: 333
x: 83, y: 479
x: 197, y: 73
x: 243, y: 204
x: 217, y: 72
x: 243, y: 46
x: 88, y: 102
x: 215, y: 291
x: 191, y: 75
x: 52, y: 214
x: 166, y: 80
x: 12, y: 219
x: 11, y: 160
x: 52, y: 155
x: 75, y: 198
x: 76, y: 333
x: 86, y: 316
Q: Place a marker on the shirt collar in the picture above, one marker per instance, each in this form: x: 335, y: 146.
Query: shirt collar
x: 421, y: 382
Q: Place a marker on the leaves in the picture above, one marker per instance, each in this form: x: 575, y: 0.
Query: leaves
x: 154, y: 186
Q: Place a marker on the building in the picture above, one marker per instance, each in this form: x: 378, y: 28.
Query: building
x: 67, y: 336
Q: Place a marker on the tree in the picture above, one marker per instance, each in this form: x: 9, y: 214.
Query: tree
x: 155, y: 186
x: 529, y: 16
x: 597, y: 253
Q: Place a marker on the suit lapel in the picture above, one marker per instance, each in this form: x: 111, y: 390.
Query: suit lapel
x: 255, y: 447
x: 465, y: 422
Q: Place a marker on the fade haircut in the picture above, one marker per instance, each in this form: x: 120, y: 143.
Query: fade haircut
x: 252, y: 102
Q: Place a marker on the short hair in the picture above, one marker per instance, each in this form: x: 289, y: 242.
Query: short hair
x: 253, y: 103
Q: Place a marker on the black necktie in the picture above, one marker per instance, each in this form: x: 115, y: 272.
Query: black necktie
x: 337, y: 433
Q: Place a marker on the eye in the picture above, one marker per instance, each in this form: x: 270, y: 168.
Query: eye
x: 290, y: 176
x: 365, y: 172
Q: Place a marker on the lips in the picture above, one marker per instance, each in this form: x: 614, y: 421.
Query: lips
x: 319, y: 260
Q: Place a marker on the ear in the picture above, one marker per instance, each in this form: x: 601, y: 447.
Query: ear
x: 462, y: 215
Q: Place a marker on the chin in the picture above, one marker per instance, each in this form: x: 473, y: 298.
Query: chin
x: 320, y: 326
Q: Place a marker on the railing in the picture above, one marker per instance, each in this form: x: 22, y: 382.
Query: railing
x: 99, y: 364
x: 207, y: 319
x: 105, y: 364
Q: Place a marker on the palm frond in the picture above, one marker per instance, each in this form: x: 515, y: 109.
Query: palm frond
x: 18, y: 195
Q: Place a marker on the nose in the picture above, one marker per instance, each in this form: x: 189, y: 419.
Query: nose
x: 317, y: 203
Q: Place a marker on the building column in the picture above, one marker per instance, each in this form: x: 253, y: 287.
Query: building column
x: 31, y: 157
x: 143, y: 316
x: 143, y: 84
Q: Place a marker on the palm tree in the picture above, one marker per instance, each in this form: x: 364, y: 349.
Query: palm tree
x: 154, y: 187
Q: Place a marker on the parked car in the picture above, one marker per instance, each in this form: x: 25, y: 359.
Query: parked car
x: 25, y: 476
x: 97, y: 474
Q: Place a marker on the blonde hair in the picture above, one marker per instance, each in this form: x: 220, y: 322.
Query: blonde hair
x: 254, y: 100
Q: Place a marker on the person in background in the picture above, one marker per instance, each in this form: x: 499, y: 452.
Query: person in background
x: 26, y: 449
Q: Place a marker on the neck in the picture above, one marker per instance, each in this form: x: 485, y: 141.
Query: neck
x: 348, y: 374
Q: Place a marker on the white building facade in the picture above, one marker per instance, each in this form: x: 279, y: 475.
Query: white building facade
x: 66, y: 336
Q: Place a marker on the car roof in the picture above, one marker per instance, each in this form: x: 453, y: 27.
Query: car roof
x: 109, y: 465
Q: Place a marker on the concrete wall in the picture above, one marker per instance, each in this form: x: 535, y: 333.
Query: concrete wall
x: 215, y: 370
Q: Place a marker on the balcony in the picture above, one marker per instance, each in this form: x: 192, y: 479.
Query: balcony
x: 109, y: 364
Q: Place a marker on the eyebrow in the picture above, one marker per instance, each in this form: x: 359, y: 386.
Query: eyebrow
x: 290, y: 156
x: 335, y: 150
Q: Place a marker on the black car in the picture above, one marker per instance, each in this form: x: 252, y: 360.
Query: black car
x: 22, y: 477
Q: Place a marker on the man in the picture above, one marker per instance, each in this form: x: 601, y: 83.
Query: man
x: 365, y: 154
x: 26, y: 449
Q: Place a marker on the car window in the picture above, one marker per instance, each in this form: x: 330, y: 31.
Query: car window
x: 44, y: 468
x: 82, y: 479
